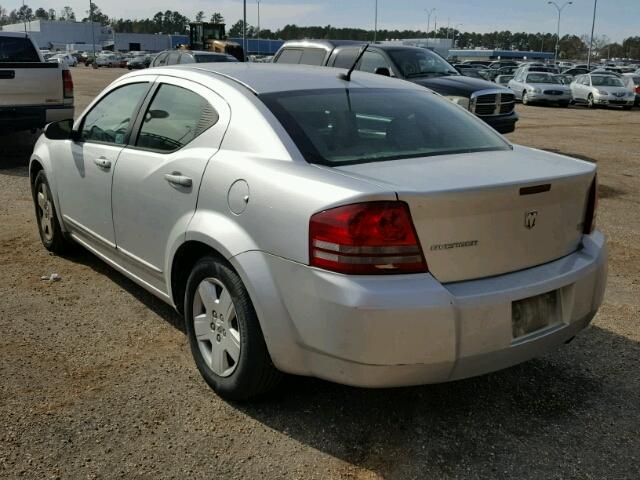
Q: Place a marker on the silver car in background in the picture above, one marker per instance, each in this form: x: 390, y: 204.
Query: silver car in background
x: 602, y: 89
x: 540, y: 87
x: 359, y: 229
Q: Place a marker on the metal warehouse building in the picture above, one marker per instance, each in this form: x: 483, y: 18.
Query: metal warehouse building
x: 55, y: 35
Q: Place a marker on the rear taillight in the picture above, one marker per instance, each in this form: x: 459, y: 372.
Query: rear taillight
x: 366, y: 239
x: 67, y: 84
x: 638, y: 89
x: 592, y: 208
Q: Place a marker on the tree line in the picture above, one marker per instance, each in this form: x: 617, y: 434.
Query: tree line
x: 173, y: 22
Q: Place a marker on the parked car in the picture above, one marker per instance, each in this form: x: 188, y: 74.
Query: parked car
x: 106, y: 60
x: 540, y: 87
x: 632, y: 81
x: 565, y: 79
x: 602, y: 89
x: 503, y: 80
x: 178, y: 57
x: 32, y: 92
x: 478, y: 63
x: 576, y: 71
x: 67, y: 58
x: 499, y: 64
x: 481, y: 254
x: 494, y: 104
x: 138, y: 62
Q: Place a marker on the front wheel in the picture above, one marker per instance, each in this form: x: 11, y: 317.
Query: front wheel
x: 590, y: 101
x: 49, y: 228
x: 525, y: 98
x: 627, y: 107
x: 224, y: 333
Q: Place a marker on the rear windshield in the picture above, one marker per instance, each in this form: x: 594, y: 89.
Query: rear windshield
x: 17, y: 49
x: 606, y: 81
x: 346, y: 126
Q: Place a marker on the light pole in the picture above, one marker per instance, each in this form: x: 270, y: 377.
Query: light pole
x: 258, y: 26
x: 93, y: 31
x: 559, y: 8
x: 593, y: 26
x: 429, y: 13
x: 455, y: 27
x: 375, y: 24
x: 244, y: 29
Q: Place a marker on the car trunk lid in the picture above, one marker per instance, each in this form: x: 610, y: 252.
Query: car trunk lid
x: 489, y: 213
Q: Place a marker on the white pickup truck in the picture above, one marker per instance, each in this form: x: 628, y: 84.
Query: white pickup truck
x: 32, y: 91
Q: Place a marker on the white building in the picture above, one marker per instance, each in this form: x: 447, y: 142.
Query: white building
x: 73, y: 36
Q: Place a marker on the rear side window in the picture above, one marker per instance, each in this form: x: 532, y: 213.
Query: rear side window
x: 17, y: 49
x: 160, y: 60
x: 290, y: 55
x: 172, y: 59
x: 313, y: 56
x: 174, y: 118
x: 108, y: 121
x: 371, y: 61
x: 345, y: 58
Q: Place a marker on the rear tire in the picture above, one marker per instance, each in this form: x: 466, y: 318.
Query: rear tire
x: 224, y: 333
x: 627, y: 107
x: 590, y: 102
x: 51, y: 234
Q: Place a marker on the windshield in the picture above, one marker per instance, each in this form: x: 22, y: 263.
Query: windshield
x: 420, y: 63
x: 345, y: 126
x: 606, y: 81
x: 542, y: 78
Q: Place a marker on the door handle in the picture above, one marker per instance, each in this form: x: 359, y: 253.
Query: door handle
x: 176, y: 178
x: 102, y: 162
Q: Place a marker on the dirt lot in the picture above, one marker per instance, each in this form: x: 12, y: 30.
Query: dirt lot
x: 97, y: 380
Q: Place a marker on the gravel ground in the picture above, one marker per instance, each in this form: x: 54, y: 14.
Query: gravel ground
x: 97, y: 379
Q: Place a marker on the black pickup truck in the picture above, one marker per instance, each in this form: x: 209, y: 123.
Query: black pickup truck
x: 490, y: 102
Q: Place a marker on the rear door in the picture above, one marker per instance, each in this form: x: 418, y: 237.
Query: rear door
x: 157, y: 178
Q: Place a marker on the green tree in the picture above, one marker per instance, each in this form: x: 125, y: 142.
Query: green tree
x: 199, y: 16
x: 67, y: 14
x: 95, y: 14
x: 41, y: 14
x: 217, y: 18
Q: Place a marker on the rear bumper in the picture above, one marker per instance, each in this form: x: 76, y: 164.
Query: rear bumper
x: 13, y: 119
x: 502, y: 123
x: 410, y: 329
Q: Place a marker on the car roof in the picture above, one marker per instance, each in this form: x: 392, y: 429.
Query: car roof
x: 272, y: 77
x: 324, y: 44
x: 14, y: 34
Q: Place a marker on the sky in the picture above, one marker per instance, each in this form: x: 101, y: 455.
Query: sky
x: 617, y: 19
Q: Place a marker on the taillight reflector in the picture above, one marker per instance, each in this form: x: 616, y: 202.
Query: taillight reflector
x: 369, y: 238
x: 67, y: 84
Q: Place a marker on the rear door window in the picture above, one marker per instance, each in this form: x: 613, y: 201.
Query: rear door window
x: 160, y: 60
x: 17, y: 49
x: 290, y: 55
x: 172, y: 59
x: 313, y: 56
x: 345, y: 58
x: 174, y: 118
x: 371, y: 61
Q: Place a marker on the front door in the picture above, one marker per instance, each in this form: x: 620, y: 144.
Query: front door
x: 157, y: 178
x: 85, y: 169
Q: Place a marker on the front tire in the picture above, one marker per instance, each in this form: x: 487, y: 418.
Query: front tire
x: 525, y: 98
x: 49, y: 228
x: 590, y: 101
x: 224, y: 333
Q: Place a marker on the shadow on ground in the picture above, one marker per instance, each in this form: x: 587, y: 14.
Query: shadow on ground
x: 541, y: 419
x: 15, y: 151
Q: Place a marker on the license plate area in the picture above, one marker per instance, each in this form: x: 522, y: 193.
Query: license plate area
x: 533, y: 314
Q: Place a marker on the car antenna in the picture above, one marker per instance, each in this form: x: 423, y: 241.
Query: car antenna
x: 347, y: 76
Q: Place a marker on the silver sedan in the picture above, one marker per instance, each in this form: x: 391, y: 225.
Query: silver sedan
x: 533, y: 87
x: 359, y: 229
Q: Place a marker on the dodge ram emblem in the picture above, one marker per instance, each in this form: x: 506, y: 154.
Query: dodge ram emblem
x: 530, y: 219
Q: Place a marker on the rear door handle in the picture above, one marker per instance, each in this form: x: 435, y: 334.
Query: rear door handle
x: 102, y: 162
x: 176, y: 178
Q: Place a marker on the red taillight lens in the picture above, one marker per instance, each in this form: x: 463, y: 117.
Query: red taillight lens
x: 366, y: 239
x: 67, y: 84
x: 592, y: 208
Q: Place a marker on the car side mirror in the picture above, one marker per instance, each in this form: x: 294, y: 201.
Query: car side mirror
x: 151, y: 114
x: 384, y: 71
x: 61, y: 130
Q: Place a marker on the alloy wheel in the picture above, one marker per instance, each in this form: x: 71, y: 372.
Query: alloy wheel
x: 216, y: 327
x: 45, y: 212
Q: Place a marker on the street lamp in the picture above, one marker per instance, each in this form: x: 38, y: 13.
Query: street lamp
x: 429, y: 13
x: 244, y: 29
x: 559, y: 8
x: 375, y: 24
x: 593, y: 26
x: 258, y: 26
